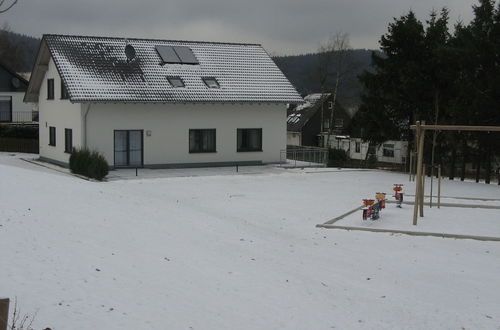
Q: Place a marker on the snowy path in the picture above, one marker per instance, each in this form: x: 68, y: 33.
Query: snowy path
x: 231, y: 252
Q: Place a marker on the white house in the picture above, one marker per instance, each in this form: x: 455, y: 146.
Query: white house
x: 159, y: 103
x: 394, y: 152
x: 12, y: 89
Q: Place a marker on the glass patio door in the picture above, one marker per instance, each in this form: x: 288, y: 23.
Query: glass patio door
x: 128, y: 148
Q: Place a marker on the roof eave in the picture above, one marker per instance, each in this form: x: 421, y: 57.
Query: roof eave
x: 38, y: 73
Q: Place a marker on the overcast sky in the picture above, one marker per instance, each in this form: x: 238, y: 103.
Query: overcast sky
x: 282, y: 26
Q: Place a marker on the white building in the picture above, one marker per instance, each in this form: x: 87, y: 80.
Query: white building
x: 394, y: 152
x: 159, y: 103
x: 12, y: 89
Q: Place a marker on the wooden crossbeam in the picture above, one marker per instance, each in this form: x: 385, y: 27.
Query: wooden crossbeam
x: 457, y: 128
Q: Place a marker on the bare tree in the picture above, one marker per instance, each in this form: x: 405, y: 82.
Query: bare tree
x: 338, y: 50
x: 4, y: 5
x: 323, y: 72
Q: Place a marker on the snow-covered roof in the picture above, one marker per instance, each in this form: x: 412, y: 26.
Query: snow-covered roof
x: 301, y: 114
x: 96, y: 69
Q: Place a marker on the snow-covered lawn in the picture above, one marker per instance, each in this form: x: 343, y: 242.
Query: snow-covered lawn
x: 233, y: 251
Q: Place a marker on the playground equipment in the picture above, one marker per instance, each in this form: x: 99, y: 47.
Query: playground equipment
x: 420, y: 129
x: 380, y: 197
x: 398, y: 193
x: 371, y: 209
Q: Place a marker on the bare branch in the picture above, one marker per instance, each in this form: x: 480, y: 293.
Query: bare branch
x: 8, y: 6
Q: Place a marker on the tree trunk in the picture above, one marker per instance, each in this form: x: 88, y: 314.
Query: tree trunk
x: 334, y: 101
x: 487, y: 175
x: 452, y: 163
x: 478, y: 165
x: 464, y: 158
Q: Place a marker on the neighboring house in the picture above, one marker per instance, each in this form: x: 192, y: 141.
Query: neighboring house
x: 394, y: 152
x: 12, y: 89
x: 159, y: 103
x: 308, y: 122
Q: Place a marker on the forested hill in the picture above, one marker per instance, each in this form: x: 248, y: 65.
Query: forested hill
x: 301, y: 71
x: 18, y: 50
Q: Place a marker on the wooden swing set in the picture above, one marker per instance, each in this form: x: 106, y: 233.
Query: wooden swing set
x: 420, y: 130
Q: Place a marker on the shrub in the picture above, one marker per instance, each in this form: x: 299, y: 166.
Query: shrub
x: 89, y: 163
x: 19, y: 131
x: 337, y: 157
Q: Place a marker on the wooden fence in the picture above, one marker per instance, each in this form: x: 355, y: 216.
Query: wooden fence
x: 9, y: 144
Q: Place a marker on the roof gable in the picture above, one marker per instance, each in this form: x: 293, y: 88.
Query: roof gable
x: 96, y: 69
x: 10, y: 81
x: 300, y: 115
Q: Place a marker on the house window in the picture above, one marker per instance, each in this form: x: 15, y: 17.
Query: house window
x: 338, y: 123
x: 64, y: 92
x: 52, y: 136
x: 176, y: 82
x: 68, y: 140
x: 201, y: 140
x: 326, y: 124
x: 249, y: 139
x: 211, y: 82
x: 388, y: 150
x: 5, y: 108
x: 357, y: 147
x: 50, y: 89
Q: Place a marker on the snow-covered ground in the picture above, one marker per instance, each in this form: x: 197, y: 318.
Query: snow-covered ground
x: 233, y: 251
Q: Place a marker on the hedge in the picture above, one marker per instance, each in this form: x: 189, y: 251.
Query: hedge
x: 88, y: 163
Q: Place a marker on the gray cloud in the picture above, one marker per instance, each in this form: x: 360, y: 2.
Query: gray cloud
x: 284, y: 27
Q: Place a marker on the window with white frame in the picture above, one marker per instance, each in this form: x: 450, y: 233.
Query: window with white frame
x: 202, y: 140
x: 357, y: 147
x: 388, y: 150
x: 52, y: 136
x: 5, y: 108
x: 249, y: 139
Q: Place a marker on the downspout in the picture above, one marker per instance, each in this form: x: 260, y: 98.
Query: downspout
x: 84, y: 140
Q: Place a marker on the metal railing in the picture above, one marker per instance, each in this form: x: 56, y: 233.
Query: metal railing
x: 18, y: 116
x: 298, y: 156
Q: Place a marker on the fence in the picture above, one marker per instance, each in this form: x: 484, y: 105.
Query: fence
x: 18, y: 116
x: 298, y: 156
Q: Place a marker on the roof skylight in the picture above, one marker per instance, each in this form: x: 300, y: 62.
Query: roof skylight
x: 211, y: 82
x: 176, y: 82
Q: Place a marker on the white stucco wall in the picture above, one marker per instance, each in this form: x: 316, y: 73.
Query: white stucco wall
x: 400, y: 150
x: 169, y: 125
x: 293, y: 138
x: 21, y: 112
x: 58, y: 113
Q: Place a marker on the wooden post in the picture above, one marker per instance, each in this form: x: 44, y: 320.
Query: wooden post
x: 418, y: 181
x: 422, y: 190
x: 439, y: 186
x: 432, y: 183
x: 411, y: 164
x: 4, y: 313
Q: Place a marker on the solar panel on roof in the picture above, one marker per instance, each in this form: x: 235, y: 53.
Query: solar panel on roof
x: 186, y: 55
x: 167, y: 54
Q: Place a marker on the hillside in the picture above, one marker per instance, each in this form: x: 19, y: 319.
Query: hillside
x: 300, y: 70
x: 29, y: 48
